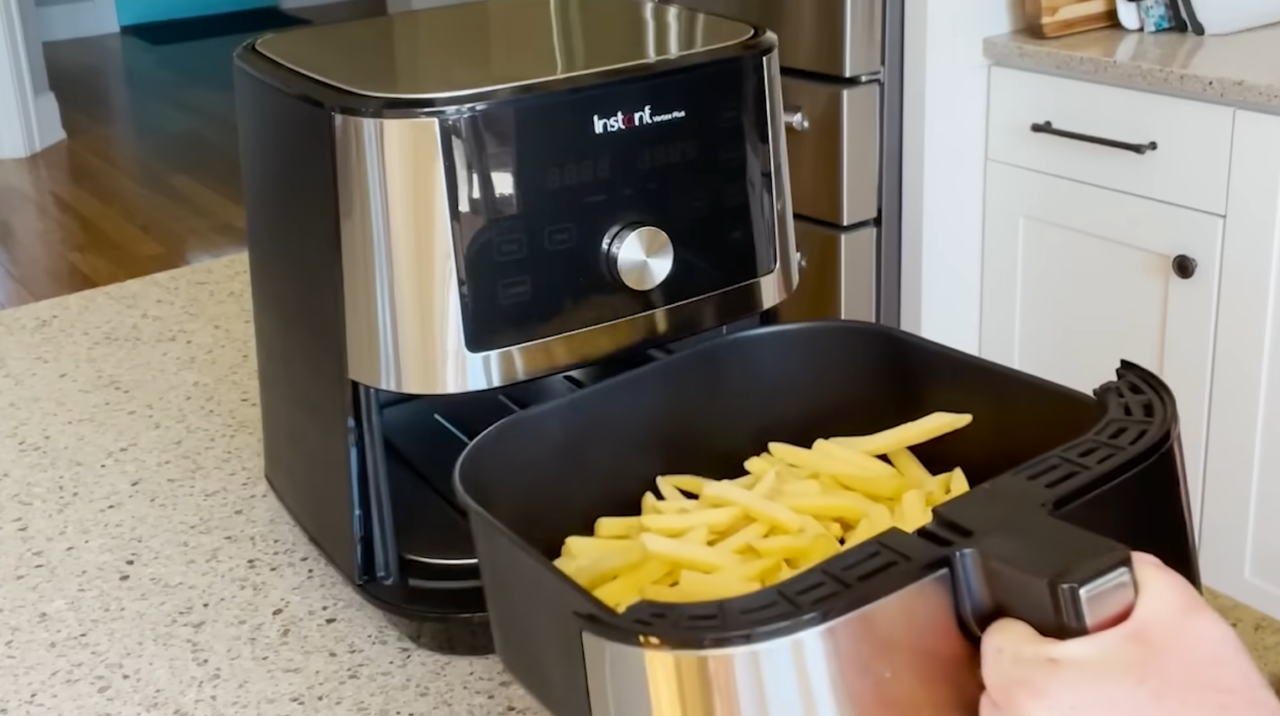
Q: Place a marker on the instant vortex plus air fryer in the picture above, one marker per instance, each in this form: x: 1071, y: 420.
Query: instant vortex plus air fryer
x: 455, y: 214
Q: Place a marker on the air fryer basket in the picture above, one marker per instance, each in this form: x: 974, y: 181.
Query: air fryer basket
x: 1109, y: 464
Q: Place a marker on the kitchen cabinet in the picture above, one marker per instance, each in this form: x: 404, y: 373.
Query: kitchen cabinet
x: 1077, y: 278
x: 1240, y: 542
x: 1149, y: 230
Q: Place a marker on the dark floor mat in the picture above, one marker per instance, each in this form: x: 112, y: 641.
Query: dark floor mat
x: 169, y: 32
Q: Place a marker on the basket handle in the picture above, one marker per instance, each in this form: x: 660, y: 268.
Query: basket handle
x: 1062, y: 580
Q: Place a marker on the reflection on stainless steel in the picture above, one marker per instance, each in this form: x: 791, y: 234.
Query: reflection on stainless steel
x: 841, y: 38
x: 1108, y: 600
x: 838, y: 277
x: 641, y: 257
x: 403, y: 311
x: 901, y: 656
x: 467, y: 48
x: 835, y: 165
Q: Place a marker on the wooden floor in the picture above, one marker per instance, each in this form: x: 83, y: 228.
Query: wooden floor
x: 148, y: 179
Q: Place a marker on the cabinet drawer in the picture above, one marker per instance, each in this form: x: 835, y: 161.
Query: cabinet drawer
x: 842, y: 38
x: 1188, y: 165
x: 835, y: 163
x: 838, y: 278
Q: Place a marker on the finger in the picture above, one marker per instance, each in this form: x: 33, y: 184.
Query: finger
x: 1159, y: 587
x: 988, y: 706
x: 1011, y: 650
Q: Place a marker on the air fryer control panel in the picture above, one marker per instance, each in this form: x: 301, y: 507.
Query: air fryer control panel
x: 584, y: 207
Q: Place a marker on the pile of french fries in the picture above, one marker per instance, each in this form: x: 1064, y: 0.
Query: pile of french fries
x: 700, y: 539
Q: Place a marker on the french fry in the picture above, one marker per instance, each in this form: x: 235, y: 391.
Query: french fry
x: 677, y: 507
x: 910, y: 467
x: 697, y: 539
x: 694, y: 556
x: 760, y: 464
x: 821, y: 547
x: 783, y: 574
x: 721, y: 589
x: 670, y: 492
x: 914, y: 513
x: 716, y: 520
x: 756, y: 506
x: 582, y: 548
x: 906, y: 435
x: 624, y: 590
x: 767, y: 484
x: 596, y: 571
x: 783, y: 546
x: 698, y: 535
x: 848, y: 506
x: 936, y: 489
x: 691, y: 484
x: 752, y: 570
x: 805, y: 486
x: 648, y: 504
x: 617, y: 527
x: 831, y: 459
x: 742, y: 539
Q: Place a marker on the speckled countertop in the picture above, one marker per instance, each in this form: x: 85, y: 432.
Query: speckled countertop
x: 145, y: 568
x: 1241, y: 69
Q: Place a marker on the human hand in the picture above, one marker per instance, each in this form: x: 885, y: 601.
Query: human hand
x: 1173, y: 656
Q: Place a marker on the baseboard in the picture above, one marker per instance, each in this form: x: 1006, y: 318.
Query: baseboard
x: 49, y: 129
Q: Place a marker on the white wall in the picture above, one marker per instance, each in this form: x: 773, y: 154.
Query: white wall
x: 29, y: 119
x: 35, y: 46
x: 944, y: 148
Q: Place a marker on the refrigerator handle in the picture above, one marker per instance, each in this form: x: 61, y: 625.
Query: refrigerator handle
x: 1062, y: 580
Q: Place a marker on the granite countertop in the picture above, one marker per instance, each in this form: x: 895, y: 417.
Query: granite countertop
x: 147, y: 568
x: 1241, y: 69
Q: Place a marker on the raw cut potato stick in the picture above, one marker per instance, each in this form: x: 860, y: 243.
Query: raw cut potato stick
x: 697, y: 539
x: 833, y: 462
x: 910, y: 467
x: 686, y: 483
x: 617, y: 526
x: 581, y: 548
x: 624, y: 591
x: 756, y: 506
x: 599, y: 569
x: 906, y: 435
x: 693, y: 556
x: 716, y: 520
x: 741, y: 539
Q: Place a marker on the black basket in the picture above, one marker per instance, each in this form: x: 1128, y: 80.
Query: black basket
x: 549, y: 472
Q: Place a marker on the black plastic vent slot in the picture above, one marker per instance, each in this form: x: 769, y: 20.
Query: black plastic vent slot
x: 812, y: 588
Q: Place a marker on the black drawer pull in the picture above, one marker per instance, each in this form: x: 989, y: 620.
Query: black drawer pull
x: 1048, y: 128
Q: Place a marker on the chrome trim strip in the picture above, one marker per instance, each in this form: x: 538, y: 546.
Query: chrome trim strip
x: 904, y: 654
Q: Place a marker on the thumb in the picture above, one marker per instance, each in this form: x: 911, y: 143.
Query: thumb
x: 1010, y: 650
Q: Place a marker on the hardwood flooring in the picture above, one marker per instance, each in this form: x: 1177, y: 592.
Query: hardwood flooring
x: 148, y: 178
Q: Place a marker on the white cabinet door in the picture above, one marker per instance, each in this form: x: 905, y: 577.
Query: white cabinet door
x: 1077, y: 278
x: 1240, y: 543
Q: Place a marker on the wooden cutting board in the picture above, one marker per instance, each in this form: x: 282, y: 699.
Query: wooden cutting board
x: 1054, y: 18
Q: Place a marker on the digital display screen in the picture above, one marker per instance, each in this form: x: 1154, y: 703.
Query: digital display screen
x: 543, y: 182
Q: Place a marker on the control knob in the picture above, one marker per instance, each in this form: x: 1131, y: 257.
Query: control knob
x: 640, y: 257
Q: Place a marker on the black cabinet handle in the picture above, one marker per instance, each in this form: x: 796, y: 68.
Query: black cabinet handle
x: 1048, y: 128
x: 1184, y: 266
